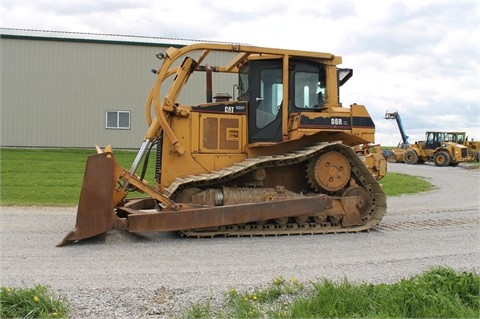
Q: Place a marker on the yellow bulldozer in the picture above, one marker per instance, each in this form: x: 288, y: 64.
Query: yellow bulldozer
x: 275, y: 158
x: 472, y: 145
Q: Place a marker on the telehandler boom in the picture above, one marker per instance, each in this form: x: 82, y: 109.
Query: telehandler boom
x: 396, y: 154
x: 276, y: 159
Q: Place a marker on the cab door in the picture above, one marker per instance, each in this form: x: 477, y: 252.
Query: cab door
x: 265, y: 101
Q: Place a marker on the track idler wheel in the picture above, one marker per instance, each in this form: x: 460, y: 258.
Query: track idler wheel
x: 329, y: 172
x: 365, y: 204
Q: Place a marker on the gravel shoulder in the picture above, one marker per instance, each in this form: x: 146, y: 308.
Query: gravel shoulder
x: 156, y: 275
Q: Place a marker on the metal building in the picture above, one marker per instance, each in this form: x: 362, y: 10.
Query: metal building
x: 65, y: 89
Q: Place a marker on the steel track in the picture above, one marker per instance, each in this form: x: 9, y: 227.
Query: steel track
x: 360, y: 172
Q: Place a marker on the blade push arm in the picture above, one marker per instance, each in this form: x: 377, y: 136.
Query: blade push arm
x: 160, y: 121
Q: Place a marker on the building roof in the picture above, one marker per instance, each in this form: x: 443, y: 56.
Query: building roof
x: 95, y: 37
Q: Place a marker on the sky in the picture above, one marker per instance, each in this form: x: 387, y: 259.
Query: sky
x: 420, y: 58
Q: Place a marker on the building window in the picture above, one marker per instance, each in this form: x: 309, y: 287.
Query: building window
x: 117, y: 120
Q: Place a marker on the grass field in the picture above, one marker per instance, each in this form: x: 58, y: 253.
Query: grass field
x: 48, y: 177
x: 53, y: 177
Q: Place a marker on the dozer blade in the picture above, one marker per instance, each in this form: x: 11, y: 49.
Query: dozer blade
x: 95, y: 214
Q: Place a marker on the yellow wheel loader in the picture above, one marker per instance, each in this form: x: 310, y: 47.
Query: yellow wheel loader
x: 275, y: 158
x: 436, y: 148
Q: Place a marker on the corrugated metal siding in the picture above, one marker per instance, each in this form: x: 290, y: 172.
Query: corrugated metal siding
x: 55, y: 93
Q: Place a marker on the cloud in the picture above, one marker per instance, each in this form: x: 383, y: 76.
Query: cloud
x: 419, y: 57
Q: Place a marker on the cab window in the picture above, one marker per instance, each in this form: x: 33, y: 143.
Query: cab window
x: 309, y: 92
x: 308, y: 85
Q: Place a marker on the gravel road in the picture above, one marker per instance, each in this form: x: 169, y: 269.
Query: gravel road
x: 157, y: 275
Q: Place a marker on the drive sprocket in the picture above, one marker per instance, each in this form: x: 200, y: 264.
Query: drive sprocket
x: 329, y: 172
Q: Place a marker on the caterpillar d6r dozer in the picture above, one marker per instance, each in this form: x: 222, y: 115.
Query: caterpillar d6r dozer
x: 276, y: 159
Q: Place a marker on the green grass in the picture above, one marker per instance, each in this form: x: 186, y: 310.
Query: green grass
x: 395, y: 184
x: 53, y: 177
x: 37, y: 302
x: 49, y: 177
x: 438, y: 293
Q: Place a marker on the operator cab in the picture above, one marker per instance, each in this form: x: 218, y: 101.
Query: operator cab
x: 261, y: 83
x: 434, y: 140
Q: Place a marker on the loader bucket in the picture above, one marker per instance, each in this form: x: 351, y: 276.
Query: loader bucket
x: 95, y: 213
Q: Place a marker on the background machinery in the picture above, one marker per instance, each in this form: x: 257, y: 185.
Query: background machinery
x: 276, y: 159
x: 396, y: 155
x: 437, y: 147
x: 472, y: 146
